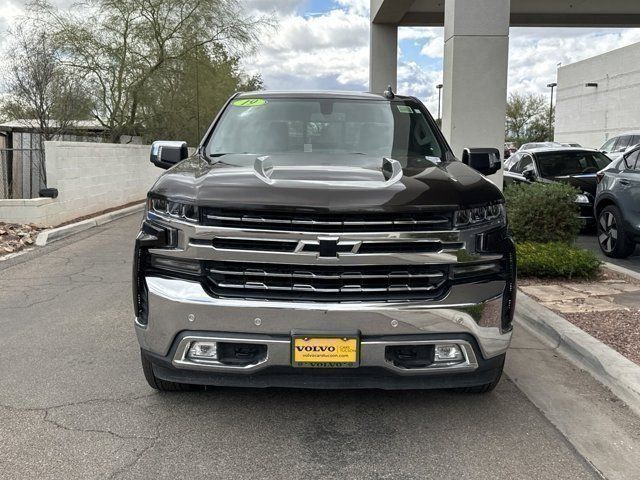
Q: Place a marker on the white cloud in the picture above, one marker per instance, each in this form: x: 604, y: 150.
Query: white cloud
x: 331, y: 51
x: 434, y: 47
x: 419, y: 33
x: 9, y: 11
x: 359, y: 7
x: 535, y: 53
x: 416, y: 81
x: 311, y: 52
x: 276, y: 6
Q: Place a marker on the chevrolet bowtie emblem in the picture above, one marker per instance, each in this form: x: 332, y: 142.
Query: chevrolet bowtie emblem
x: 328, y: 247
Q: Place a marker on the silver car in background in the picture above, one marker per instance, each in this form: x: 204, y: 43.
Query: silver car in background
x: 617, y: 146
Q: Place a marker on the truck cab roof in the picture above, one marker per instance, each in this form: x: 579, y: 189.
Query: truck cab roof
x: 338, y: 94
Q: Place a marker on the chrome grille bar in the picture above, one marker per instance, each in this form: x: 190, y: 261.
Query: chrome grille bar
x: 311, y: 288
x: 409, y: 221
x: 257, y: 280
x: 323, y: 222
x: 343, y: 276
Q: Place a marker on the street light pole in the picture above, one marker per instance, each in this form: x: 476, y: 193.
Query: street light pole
x: 439, y: 87
x: 551, y: 86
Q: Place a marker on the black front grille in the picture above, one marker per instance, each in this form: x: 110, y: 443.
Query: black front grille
x: 337, y: 223
x: 326, y: 283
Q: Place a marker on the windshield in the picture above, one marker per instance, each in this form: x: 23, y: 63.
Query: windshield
x: 396, y: 129
x: 555, y: 164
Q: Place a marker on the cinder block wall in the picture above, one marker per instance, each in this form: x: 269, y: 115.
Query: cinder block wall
x: 90, y: 177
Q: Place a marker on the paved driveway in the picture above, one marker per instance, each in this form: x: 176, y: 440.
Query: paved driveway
x: 74, y: 404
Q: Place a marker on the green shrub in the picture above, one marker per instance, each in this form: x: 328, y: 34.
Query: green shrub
x: 543, y: 212
x: 556, y: 259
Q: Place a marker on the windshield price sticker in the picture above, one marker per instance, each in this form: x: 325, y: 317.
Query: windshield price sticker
x: 405, y: 109
x: 249, y: 102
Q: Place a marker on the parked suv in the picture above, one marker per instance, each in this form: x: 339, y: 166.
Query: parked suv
x: 617, y: 206
x: 616, y: 146
x: 324, y: 240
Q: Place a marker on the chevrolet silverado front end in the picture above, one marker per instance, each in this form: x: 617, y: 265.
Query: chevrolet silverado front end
x: 323, y: 240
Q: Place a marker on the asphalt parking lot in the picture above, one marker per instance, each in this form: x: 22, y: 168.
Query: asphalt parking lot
x: 74, y: 403
x: 590, y: 241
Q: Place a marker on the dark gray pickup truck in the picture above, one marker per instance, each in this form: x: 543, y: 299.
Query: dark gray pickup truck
x: 324, y: 240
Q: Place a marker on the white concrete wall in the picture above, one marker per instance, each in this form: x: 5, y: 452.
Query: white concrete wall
x: 90, y: 177
x: 590, y: 115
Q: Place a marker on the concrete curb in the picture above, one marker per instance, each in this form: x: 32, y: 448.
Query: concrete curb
x: 622, y: 270
x: 613, y: 370
x: 59, y: 233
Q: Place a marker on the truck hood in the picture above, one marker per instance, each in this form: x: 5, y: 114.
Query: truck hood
x: 325, y: 183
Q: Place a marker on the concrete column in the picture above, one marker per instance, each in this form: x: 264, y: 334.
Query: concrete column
x: 383, y: 61
x: 476, y: 58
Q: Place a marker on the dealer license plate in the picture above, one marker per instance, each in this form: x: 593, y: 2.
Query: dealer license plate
x: 325, y: 352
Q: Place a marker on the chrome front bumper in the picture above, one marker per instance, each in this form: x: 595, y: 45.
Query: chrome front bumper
x: 372, y: 354
x: 179, y: 306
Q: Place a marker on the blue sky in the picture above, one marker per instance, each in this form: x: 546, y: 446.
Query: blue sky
x: 324, y: 44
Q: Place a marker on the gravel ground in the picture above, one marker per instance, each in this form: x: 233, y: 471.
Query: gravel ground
x: 619, y: 329
x: 15, y: 237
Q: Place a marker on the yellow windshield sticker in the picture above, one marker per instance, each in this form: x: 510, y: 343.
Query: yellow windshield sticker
x: 249, y: 102
x: 405, y: 109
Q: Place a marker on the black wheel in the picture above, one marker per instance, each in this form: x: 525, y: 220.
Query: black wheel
x: 158, y: 383
x: 487, y: 387
x: 613, y: 240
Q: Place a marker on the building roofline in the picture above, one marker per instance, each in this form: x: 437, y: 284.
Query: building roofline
x: 614, y: 51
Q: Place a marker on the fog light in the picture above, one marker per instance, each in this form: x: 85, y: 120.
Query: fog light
x: 203, y: 351
x: 447, y: 353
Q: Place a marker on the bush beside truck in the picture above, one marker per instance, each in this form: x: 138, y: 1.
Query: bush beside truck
x: 543, y: 219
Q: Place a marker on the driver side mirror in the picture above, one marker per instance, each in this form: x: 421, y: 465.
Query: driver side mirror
x: 166, y: 154
x: 484, y: 160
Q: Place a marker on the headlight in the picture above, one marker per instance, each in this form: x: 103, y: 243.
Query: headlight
x: 582, y: 199
x: 475, y: 216
x: 170, y: 209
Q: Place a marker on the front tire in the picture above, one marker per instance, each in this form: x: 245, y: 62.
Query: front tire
x: 613, y: 240
x: 159, y: 384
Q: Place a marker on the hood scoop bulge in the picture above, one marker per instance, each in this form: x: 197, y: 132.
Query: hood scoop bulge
x: 328, y: 176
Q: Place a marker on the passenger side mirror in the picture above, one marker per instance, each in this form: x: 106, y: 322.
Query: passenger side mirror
x: 529, y: 174
x: 166, y: 154
x: 484, y: 160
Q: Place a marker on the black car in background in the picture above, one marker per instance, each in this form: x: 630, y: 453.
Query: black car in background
x: 617, y: 206
x: 574, y: 166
